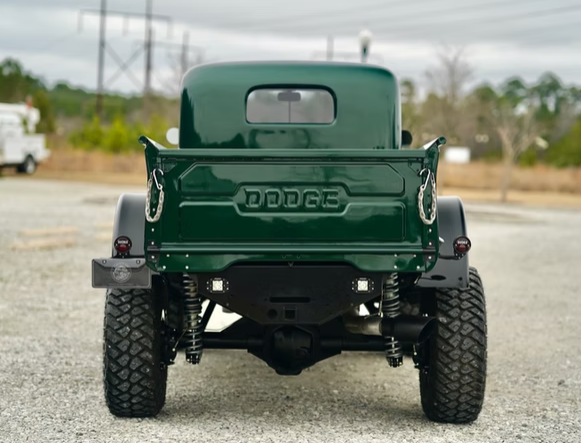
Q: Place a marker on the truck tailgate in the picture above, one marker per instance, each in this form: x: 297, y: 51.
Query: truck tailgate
x: 222, y: 206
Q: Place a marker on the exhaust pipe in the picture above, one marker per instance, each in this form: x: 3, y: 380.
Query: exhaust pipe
x: 409, y: 328
x: 404, y: 328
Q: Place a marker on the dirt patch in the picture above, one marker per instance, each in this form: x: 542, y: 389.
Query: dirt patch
x: 43, y: 244
x: 101, y: 200
x: 64, y: 230
x: 490, y: 216
x: 542, y: 199
x: 486, y: 176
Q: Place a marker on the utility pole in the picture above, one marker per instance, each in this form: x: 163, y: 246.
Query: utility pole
x: 330, y: 47
x: 148, y: 58
x: 123, y: 66
x: 184, y: 60
x: 101, y: 67
x: 365, y: 38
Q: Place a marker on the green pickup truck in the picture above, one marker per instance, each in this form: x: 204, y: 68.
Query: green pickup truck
x: 291, y: 203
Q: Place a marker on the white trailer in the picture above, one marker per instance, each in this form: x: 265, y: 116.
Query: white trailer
x: 19, y: 146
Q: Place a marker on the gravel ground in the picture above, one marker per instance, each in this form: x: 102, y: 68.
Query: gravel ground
x: 51, y: 329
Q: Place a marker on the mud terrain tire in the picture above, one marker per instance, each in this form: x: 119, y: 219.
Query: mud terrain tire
x: 135, y: 374
x: 453, y: 361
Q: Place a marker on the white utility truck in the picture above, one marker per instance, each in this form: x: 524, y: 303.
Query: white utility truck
x: 20, y: 147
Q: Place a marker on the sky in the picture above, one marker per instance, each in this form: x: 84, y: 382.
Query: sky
x: 500, y: 38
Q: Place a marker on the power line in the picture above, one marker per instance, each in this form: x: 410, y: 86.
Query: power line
x: 546, y: 35
x: 348, y: 20
x: 124, y: 66
x: 408, y: 29
x: 314, y: 15
x: 186, y: 50
x: 543, y: 39
x: 131, y: 14
x: 510, y: 18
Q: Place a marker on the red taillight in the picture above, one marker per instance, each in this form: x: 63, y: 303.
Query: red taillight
x: 462, y: 245
x: 122, y: 245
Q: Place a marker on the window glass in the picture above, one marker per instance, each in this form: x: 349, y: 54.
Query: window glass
x: 315, y: 106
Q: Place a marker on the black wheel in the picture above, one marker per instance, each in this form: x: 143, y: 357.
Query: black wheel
x: 28, y: 166
x: 135, y: 370
x: 452, y: 362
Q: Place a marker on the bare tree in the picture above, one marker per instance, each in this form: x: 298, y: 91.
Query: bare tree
x: 445, y: 110
x: 179, y: 65
x: 447, y: 85
x: 410, y: 107
x: 450, y: 77
x: 518, y: 131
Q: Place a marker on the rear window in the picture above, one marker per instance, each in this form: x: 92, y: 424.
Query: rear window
x: 270, y: 105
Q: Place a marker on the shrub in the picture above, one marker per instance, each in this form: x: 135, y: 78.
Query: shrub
x: 120, y: 136
x: 567, y: 152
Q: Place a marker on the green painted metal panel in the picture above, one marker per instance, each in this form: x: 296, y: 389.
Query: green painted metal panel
x: 355, y: 206
x: 353, y: 179
x: 213, y: 106
x: 206, y: 221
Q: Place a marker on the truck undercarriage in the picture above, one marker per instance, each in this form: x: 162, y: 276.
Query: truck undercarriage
x: 292, y: 317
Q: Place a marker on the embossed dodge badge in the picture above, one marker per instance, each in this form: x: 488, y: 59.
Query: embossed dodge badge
x: 292, y: 199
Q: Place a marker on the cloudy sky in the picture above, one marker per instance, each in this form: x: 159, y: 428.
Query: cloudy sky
x: 500, y: 37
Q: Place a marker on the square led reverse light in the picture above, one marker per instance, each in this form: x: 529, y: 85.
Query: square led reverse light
x: 362, y: 285
x: 217, y: 285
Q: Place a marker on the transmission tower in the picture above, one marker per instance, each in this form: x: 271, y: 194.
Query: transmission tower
x: 123, y: 66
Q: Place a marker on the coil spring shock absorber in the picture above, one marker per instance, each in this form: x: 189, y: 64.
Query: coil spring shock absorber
x: 390, y: 308
x: 193, y: 321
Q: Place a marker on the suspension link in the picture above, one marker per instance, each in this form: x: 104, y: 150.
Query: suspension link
x: 193, y: 321
x: 390, y: 307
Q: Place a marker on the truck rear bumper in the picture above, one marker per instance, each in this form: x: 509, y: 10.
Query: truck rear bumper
x: 297, y: 293
x: 120, y: 273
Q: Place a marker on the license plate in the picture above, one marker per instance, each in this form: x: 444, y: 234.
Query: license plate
x: 121, y: 273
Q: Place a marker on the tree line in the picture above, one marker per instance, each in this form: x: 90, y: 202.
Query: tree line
x: 514, y: 121
x: 70, y: 111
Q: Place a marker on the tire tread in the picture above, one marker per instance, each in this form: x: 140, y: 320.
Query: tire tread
x: 452, y: 390
x: 134, y: 379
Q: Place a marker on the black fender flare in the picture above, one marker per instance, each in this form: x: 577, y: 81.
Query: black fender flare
x: 130, y: 222
x: 448, y: 273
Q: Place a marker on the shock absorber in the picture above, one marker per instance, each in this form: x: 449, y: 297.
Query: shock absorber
x: 193, y: 321
x: 390, y: 308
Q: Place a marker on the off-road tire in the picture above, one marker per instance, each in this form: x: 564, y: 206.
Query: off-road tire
x: 453, y: 371
x: 135, y: 374
x: 28, y: 166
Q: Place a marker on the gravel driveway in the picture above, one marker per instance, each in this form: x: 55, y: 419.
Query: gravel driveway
x: 51, y: 329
